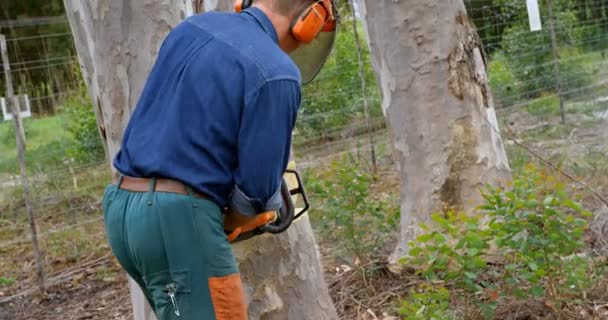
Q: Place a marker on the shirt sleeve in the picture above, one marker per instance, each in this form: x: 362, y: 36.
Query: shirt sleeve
x: 264, y: 143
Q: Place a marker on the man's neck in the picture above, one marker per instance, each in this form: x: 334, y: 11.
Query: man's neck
x: 282, y: 25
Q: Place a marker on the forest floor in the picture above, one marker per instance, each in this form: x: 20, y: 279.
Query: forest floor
x: 84, y: 281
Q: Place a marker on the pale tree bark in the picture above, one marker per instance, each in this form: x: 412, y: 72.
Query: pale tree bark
x: 117, y: 43
x: 429, y: 62
x: 219, y: 5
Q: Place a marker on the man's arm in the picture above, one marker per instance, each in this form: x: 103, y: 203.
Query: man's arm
x: 264, y: 144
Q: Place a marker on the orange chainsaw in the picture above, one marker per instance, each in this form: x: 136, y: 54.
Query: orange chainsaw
x: 239, y: 228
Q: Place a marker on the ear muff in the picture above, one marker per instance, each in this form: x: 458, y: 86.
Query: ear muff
x: 309, y: 23
x: 241, y: 5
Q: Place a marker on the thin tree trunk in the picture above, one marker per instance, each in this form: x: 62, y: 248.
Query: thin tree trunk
x: 429, y: 62
x: 117, y: 43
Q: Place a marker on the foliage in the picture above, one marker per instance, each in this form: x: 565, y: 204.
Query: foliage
x: 6, y: 281
x: 334, y: 99
x: 534, y: 226
x: 427, y: 302
x: 522, y: 63
x: 86, y: 146
x: 506, y: 89
x: 7, y: 134
x: 539, y: 229
x: 493, y: 17
x: 546, y: 104
x: 531, y: 59
x: 53, y: 51
x: 347, y: 210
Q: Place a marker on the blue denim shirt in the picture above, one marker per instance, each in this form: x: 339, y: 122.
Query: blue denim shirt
x: 217, y: 111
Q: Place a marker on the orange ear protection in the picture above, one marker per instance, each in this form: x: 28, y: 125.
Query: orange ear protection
x: 241, y: 5
x: 312, y: 19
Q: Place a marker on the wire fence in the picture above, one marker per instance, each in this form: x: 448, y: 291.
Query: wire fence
x: 68, y: 170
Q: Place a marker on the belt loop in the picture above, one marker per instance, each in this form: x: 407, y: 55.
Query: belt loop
x: 117, y: 187
x: 151, y: 190
x: 119, y: 180
x: 191, y: 195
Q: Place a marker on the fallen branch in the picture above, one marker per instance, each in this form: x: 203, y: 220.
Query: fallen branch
x: 60, y: 278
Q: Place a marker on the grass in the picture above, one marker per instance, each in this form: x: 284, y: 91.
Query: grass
x: 548, y: 105
x: 69, y: 224
x: 46, y: 141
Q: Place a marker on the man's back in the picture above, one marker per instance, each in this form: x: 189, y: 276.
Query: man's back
x: 217, y: 110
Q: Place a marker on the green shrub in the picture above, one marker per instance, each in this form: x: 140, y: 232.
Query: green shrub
x: 531, y: 57
x: 346, y: 212
x: 427, y: 302
x: 6, y: 281
x: 7, y: 134
x: 505, y: 86
x: 539, y: 229
x: 545, y: 105
x: 86, y: 145
x: 535, y: 226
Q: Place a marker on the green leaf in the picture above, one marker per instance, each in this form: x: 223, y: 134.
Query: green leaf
x: 460, y: 244
x: 470, y: 275
x: 573, y: 205
x: 537, y: 291
x: 451, y: 275
x: 548, y: 201
x: 473, y: 251
x: 6, y: 281
x: 519, y: 293
x: 415, y: 251
x: 531, y: 204
x: 540, y: 272
x: 533, y: 266
x: 479, y: 262
x: 439, y: 238
x: 425, y: 237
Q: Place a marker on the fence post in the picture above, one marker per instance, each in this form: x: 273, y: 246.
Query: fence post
x: 370, y: 128
x: 21, y: 154
x: 556, y: 68
x: 11, y: 100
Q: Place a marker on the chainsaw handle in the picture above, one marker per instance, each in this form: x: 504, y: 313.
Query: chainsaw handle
x: 286, y: 213
x: 300, y: 190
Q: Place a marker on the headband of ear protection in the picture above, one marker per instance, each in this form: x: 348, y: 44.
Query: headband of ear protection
x: 312, y: 19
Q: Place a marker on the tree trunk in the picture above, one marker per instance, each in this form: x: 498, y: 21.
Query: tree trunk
x: 219, y: 5
x: 117, y: 43
x: 429, y: 62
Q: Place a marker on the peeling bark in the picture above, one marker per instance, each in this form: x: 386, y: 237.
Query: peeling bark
x: 429, y: 62
x: 117, y: 43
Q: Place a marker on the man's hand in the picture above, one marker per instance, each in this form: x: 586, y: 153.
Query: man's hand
x: 236, y: 224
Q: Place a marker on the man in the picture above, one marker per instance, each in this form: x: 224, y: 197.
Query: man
x: 211, y: 131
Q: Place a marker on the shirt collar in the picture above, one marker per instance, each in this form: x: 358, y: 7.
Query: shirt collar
x: 263, y: 21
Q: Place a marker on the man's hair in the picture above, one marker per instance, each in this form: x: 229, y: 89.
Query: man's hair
x: 288, y: 7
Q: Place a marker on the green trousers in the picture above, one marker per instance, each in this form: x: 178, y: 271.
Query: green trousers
x: 175, y: 248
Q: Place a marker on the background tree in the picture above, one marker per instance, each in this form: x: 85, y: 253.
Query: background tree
x: 117, y: 43
x: 40, y: 49
x: 431, y: 68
